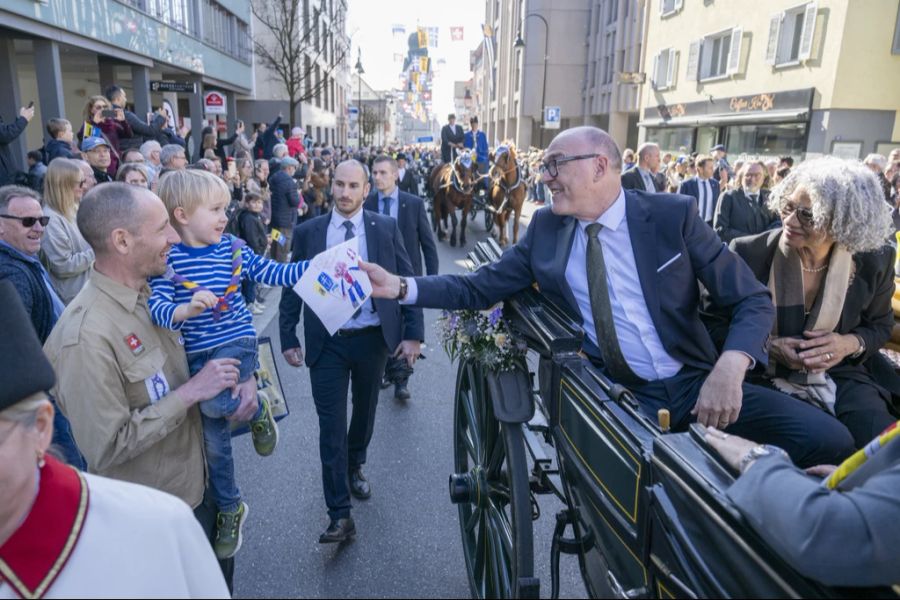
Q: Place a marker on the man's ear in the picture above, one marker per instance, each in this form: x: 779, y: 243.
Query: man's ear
x: 121, y: 240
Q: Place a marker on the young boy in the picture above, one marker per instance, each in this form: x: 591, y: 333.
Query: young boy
x: 60, y: 144
x: 201, y: 296
x: 251, y: 229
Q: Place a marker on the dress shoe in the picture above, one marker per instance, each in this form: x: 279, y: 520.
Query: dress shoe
x: 359, y: 485
x: 401, y: 393
x: 338, y: 531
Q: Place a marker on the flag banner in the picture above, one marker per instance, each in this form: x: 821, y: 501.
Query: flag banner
x: 432, y: 37
x: 456, y: 34
x: 423, y: 37
x: 414, y: 77
x: 398, y: 30
x: 424, y: 64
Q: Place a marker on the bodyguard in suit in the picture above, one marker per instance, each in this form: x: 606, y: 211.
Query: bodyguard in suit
x: 703, y: 188
x: 452, y: 137
x: 406, y: 179
x: 743, y: 211
x: 644, y: 176
x: 639, y: 305
x: 355, y: 356
x: 409, y: 212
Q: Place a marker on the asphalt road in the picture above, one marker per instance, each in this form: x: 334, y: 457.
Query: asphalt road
x: 408, y: 541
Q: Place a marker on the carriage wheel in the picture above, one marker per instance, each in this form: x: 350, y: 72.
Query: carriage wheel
x: 488, y: 220
x: 492, y: 491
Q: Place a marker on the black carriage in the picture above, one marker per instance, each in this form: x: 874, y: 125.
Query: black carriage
x: 646, y: 512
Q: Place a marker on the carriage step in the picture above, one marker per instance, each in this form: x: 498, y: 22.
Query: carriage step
x: 563, y: 545
x: 529, y: 587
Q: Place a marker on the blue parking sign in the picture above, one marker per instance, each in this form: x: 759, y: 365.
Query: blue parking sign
x: 552, y: 117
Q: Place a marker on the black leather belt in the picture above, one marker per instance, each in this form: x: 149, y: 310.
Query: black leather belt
x: 358, y: 331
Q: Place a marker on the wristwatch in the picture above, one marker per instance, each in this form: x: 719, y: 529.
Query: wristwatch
x: 404, y: 289
x: 862, y: 347
x: 758, y: 452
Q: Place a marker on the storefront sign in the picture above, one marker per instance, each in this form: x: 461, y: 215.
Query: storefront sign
x: 214, y: 103
x: 756, y: 103
x: 184, y: 87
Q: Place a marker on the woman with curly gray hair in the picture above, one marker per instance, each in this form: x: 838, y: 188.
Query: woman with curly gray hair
x: 830, y: 271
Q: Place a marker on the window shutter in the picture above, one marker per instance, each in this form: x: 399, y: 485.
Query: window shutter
x: 693, y: 66
x: 672, y: 68
x: 734, y: 54
x: 655, y: 73
x: 774, y: 34
x: 809, y: 30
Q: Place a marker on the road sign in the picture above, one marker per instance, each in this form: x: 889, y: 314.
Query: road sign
x: 214, y: 103
x: 185, y: 87
x: 354, y: 113
x: 423, y: 139
x: 552, y: 117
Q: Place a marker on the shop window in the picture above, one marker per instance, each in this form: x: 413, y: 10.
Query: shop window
x: 791, y: 35
x: 766, y: 140
x: 716, y: 55
x: 671, y: 139
x: 664, y: 69
x: 670, y: 7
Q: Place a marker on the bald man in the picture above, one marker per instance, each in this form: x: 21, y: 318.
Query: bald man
x: 625, y: 264
x: 357, y: 353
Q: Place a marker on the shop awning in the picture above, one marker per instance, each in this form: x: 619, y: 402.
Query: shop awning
x: 772, y: 116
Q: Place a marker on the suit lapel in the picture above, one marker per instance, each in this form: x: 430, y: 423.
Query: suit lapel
x: 401, y: 212
x: 565, y: 236
x: 319, y: 241
x: 642, y: 232
x: 371, y: 236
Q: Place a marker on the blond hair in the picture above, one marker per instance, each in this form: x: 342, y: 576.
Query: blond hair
x: 189, y: 189
x: 88, y: 112
x: 63, y: 176
x: 25, y: 411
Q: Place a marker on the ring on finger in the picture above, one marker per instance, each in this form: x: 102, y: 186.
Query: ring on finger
x: 828, y: 356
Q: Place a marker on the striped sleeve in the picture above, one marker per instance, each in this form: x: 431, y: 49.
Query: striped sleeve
x: 270, y: 272
x: 162, y: 303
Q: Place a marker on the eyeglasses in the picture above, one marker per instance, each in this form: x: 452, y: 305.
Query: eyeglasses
x: 29, y: 221
x: 552, y: 166
x: 804, y: 215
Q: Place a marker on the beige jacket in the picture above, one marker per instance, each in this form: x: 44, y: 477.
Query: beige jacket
x: 66, y: 255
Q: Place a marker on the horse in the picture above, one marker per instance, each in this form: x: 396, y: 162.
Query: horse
x: 453, y: 185
x: 507, y: 191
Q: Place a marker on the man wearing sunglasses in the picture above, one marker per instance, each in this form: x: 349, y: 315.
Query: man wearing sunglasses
x: 22, y: 223
x: 626, y: 264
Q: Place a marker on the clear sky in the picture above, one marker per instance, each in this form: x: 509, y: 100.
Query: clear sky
x: 369, y: 23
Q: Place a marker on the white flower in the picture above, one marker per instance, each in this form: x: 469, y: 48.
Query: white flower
x: 500, y: 340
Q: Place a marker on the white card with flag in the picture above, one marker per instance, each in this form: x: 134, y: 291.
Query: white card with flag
x: 333, y: 286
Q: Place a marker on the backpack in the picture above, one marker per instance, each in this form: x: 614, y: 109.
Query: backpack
x: 234, y: 222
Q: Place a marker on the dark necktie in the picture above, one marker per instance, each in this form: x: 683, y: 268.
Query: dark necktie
x: 387, y: 206
x: 607, y: 340
x: 755, y: 199
x: 349, y: 236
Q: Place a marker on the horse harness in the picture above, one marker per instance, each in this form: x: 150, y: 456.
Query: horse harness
x: 456, y: 183
x: 507, y: 189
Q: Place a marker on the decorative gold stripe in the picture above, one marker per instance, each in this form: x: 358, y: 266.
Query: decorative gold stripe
x: 612, y: 529
x: 661, y: 589
x: 632, y: 514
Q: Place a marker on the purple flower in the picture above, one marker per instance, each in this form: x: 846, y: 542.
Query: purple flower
x: 495, y: 316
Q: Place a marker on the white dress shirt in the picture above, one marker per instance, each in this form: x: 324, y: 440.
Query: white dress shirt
x: 638, y: 339
x: 647, y: 178
x: 336, y: 232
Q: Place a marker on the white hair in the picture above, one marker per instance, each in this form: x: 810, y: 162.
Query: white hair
x: 148, y: 147
x: 847, y: 201
x: 170, y: 151
x: 279, y: 150
x: 876, y: 159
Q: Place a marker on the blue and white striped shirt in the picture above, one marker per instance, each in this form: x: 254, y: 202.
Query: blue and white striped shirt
x: 211, y: 268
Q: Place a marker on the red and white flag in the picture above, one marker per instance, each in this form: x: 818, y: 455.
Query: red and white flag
x: 456, y: 34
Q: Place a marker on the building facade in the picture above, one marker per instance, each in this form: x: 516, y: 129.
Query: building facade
x: 59, y: 53
x: 535, y: 56
x: 379, y: 118
x: 786, y: 78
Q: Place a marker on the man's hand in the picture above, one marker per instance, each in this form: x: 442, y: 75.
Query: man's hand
x: 120, y: 114
x: 27, y: 112
x: 785, y: 351
x: 293, y: 356
x: 384, y: 285
x: 249, y: 403
x: 216, y: 375
x: 410, y: 350
x: 731, y: 447
x: 825, y: 349
x: 720, y: 398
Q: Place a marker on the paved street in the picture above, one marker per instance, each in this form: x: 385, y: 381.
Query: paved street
x: 408, y: 542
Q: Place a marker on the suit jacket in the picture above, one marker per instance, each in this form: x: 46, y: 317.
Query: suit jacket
x: 631, y: 180
x: 867, y: 308
x: 450, y: 136
x: 416, y: 230
x: 385, y: 247
x: 691, y: 187
x: 737, y: 215
x: 672, y: 250
x: 408, y: 184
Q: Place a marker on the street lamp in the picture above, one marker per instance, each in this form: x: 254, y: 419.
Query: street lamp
x: 359, y: 116
x: 519, y: 44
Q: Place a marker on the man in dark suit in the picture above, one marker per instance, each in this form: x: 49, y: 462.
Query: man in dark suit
x: 703, y: 188
x: 639, y: 305
x: 452, y: 138
x: 743, y: 211
x: 644, y: 176
x: 357, y: 353
x: 406, y: 179
x: 409, y: 212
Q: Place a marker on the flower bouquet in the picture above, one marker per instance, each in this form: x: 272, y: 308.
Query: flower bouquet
x: 483, y: 336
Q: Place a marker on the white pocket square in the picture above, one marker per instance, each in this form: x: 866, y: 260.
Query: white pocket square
x: 669, y: 262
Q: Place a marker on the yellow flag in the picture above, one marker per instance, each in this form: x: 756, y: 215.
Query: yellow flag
x: 423, y: 64
x: 423, y: 37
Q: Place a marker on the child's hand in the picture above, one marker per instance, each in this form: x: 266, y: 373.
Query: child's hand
x: 202, y: 300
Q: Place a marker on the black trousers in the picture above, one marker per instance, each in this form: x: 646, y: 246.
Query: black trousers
x: 206, y: 513
x: 358, y: 362
x: 863, y: 407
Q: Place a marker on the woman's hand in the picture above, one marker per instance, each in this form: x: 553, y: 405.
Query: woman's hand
x: 785, y: 351
x: 824, y: 349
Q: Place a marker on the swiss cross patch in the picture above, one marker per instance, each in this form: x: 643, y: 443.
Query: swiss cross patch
x: 134, y: 343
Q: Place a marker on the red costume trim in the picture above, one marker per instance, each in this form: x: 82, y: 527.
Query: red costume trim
x: 32, y: 559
